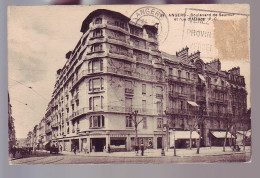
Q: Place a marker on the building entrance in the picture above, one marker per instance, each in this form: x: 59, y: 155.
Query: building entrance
x: 159, y: 142
x: 98, y: 144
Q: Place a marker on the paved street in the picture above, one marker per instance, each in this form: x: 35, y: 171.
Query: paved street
x: 151, y: 156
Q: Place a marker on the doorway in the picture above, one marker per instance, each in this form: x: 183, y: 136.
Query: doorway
x: 159, y: 142
x: 98, y: 144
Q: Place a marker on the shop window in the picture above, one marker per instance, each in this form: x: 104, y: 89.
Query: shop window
x: 129, y: 121
x: 97, y: 121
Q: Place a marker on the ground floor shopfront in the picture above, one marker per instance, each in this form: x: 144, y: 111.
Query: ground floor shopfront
x: 100, y: 142
x: 125, y: 140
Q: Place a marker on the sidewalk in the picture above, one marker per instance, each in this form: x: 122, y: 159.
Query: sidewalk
x: 204, y: 151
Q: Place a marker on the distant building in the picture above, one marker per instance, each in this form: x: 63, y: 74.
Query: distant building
x: 116, y: 68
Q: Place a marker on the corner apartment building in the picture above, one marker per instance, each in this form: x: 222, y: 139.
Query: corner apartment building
x: 115, y: 69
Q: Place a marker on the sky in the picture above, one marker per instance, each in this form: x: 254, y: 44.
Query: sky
x: 39, y: 37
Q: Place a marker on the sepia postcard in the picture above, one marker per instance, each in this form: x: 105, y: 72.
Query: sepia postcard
x: 130, y: 84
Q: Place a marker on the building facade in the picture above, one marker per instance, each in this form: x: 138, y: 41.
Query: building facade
x: 116, y: 68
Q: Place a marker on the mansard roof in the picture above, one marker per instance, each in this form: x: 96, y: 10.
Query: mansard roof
x: 88, y: 19
x: 170, y: 57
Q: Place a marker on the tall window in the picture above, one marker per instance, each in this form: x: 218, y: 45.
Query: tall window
x: 95, y: 66
x: 170, y: 71
x: 98, y: 33
x: 96, y: 103
x: 188, y: 75
x: 159, y: 75
x: 128, y: 84
x: 128, y: 68
x: 96, y: 47
x: 96, y: 84
x: 159, y: 107
x: 182, y: 105
x: 143, y: 89
x: 129, y: 122
x: 179, y: 73
x: 97, y: 121
x: 144, y: 122
x: 143, y: 105
x: 159, y: 122
x: 128, y: 104
x: 159, y: 92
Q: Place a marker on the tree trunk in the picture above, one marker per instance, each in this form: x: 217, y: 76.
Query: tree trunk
x: 136, y: 136
x: 225, y: 141
x: 190, y: 138
x: 244, y: 140
x: 198, y: 147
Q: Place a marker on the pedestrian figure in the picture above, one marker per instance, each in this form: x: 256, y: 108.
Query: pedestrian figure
x: 108, y: 148
x: 75, y: 149
x: 60, y: 148
x: 136, y: 150
x: 142, y: 149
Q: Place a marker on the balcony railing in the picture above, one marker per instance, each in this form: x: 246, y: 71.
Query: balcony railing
x: 129, y: 91
x: 172, y: 78
x: 79, y: 112
x: 200, y: 98
x: 182, y: 111
x: 143, y: 60
x: 160, y: 96
x: 216, y: 114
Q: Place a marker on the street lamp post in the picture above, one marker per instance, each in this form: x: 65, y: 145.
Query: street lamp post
x: 174, y: 142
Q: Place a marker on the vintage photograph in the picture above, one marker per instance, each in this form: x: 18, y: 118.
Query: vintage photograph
x: 129, y: 84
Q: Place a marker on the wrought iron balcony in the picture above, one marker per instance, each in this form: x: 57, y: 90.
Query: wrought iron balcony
x: 160, y: 96
x: 129, y: 91
x: 200, y: 98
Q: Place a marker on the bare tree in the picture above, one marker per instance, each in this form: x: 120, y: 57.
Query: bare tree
x: 200, y: 120
x: 228, y: 127
x: 133, y: 117
x: 192, y: 124
x: 171, y: 123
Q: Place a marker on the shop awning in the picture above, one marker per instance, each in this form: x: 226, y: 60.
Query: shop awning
x: 221, y: 134
x: 192, y: 103
x: 185, y: 135
x: 202, y: 78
